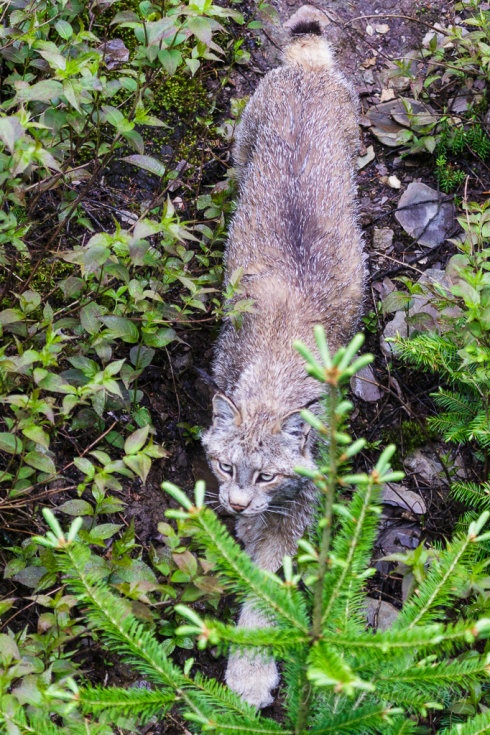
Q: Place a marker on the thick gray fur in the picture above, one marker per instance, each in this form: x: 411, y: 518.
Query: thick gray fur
x: 296, y: 242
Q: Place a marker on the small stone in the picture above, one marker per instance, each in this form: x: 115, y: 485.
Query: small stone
x: 399, y: 495
x: 365, y: 386
x: 424, y: 215
x: 380, y: 615
x: 382, y: 28
x: 369, y: 156
x: 398, y: 325
x: 387, y: 94
x: 115, y: 53
x: 394, y: 182
x: 369, y: 30
x: 368, y: 76
x: 382, y: 238
x: 424, y: 464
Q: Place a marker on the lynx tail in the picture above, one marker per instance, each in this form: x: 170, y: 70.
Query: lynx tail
x: 308, y: 47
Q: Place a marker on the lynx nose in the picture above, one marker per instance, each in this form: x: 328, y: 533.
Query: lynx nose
x: 239, y: 508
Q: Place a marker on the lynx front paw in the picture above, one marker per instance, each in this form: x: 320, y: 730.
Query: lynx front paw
x: 252, y: 677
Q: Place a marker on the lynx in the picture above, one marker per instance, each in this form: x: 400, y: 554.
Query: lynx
x: 296, y: 242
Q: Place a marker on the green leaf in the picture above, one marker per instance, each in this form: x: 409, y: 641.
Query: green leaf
x: 11, y: 130
x: 76, y: 507
x: 10, y: 316
x: 104, y: 531
x: 120, y: 327
x: 141, y: 356
x: 161, y: 338
x: 37, y: 434
x: 395, y: 301
x: 10, y: 443
x: 140, y: 464
x: 136, y: 440
x: 147, y: 163
x: 64, y: 29
x: 45, y: 91
x: 170, y: 59
x: 30, y: 576
x: 193, y: 65
x: 40, y: 462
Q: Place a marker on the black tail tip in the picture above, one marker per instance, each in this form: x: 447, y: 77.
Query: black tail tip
x: 303, y: 27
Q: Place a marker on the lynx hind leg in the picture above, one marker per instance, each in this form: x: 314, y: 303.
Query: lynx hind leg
x: 250, y: 674
x: 252, y: 677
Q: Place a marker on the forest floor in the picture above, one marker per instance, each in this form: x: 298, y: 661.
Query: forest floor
x: 392, y: 402
x: 368, y: 36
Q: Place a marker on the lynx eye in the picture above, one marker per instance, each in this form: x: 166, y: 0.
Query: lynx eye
x: 265, y: 477
x: 226, y: 469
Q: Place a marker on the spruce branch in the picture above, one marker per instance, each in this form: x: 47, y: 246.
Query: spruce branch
x: 115, y: 701
x: 240, y: 574
x: 439, y: 588
x: 367, y: 720
x: 479, y: 725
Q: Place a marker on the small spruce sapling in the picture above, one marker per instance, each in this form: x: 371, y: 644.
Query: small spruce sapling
x: 339, y: 677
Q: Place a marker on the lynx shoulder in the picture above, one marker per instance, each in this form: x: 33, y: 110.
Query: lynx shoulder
x: 296, y: 242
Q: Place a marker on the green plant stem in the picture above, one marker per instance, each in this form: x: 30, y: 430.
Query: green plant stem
x: 323, y: 559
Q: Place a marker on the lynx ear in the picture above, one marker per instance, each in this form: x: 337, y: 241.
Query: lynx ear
x: 225, y: 412
x: 296, y: 427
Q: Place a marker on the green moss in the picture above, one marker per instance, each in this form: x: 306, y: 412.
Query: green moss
x: 408, y: 436
x: 44, y: 280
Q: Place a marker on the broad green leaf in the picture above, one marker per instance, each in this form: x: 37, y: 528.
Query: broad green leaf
x: 44, y: 91
x: 30, y: 576
x: 54, y: 383
x: 136, y: 140
x: 170, y: 59
x: 11, y: 130
x: 76, y: 507
x: 148, y: 163
x: 140, y: 464
x: 161, y: 338
x: 37, y: 434
x: 64, y: 29
x: 104, y: 531
x: 141, y: 356
x: 90, y: 317
x: 136, y: 440
x: 40, y: 462
x: 10, y: 443
x: 193, y: 65
x: 72, y: 89
x: 54, y: 59
x: 120, y: 327
x: 85, y: 466
x: 10, y: 316
x: 395, y: 301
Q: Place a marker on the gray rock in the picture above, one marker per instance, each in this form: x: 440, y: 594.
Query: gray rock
x: 421, y: 314
x: 365, y: 386
x: 425, y: 464
x: 399, y: 495
x: 398, y: 325
x: 382, y: 238
x: 424, y: 215
x: 380, y: 615
x: 115, y: 53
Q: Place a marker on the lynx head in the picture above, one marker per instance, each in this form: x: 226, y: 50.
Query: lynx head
x: 253, y: 454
